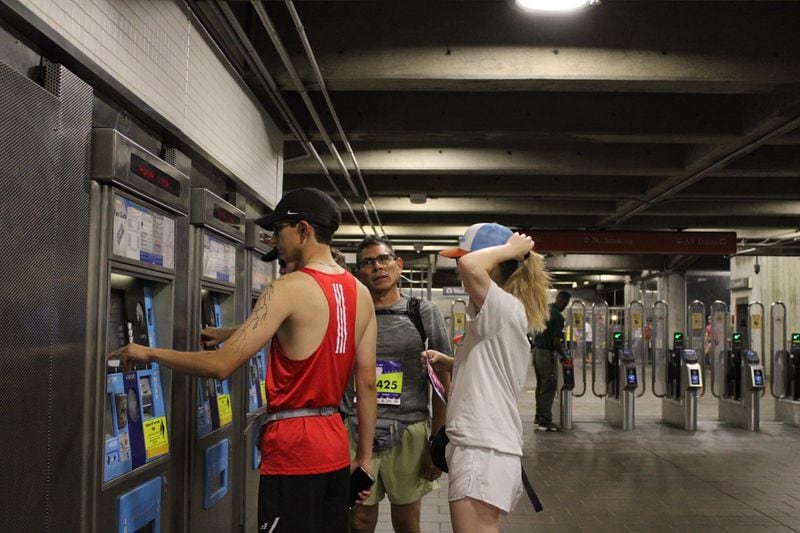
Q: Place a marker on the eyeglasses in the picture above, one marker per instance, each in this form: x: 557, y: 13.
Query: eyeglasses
x: 382, y: 260
x: 277, y: 228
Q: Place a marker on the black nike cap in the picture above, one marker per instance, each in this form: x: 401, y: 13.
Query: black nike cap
x: 311, y: 205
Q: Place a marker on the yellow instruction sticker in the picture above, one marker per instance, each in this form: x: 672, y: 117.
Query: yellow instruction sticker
x: 156, y: 440
x: 225, y: 411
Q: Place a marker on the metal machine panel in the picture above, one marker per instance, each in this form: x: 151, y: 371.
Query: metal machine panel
x: 226, y: 510
x: 120, y: 160
x: 211, y: 211
x: 43, y: 168
x: 257, y: 238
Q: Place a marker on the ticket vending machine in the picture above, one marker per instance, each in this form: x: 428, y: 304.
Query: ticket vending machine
x: 142, y: 203
x: 259, y: 273
x: 216, y: 283
x: 622, y: 384
x: 739, y: 406
x: 684, y: 379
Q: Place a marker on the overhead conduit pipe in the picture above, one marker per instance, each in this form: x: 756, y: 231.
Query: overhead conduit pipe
x: 321, y: 82
x: 280, y: 103
x: 301, y: 89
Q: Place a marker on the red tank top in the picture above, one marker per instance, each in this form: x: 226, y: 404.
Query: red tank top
x: 313, y: 444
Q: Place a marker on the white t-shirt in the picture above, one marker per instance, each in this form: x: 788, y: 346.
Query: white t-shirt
x: 489, y: 371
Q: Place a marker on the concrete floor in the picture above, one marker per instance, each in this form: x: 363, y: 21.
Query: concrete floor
x: 654, y: 478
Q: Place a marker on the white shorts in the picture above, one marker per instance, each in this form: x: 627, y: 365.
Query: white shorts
x: 483, y: 474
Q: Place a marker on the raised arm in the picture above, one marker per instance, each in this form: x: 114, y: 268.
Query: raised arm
x: 272, y: 308
x: 475, y: 267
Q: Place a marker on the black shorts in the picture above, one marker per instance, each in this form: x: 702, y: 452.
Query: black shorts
x: 315, y: 503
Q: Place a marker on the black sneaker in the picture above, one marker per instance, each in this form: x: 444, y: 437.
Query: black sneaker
x: 547, y: 426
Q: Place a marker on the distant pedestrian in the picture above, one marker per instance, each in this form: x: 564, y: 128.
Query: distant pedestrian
x: 548, y: 345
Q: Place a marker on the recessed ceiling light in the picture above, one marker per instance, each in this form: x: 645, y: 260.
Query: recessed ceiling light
x: 554, y: 6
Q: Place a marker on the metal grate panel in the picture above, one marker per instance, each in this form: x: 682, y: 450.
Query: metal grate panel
x: 70, y: 210
x: 42, y: 323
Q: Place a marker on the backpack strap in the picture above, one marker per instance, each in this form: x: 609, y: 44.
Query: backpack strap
x: 412, y: 307
x: 413, y: 312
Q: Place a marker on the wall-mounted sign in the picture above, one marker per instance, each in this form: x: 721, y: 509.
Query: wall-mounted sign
x: 738, y: 284
x: 454, y: 291
x: 635, y: 242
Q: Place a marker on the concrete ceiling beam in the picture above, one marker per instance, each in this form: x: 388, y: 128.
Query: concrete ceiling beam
x: 682, y: 47
x: 620, y: 159
x: 448, y: 118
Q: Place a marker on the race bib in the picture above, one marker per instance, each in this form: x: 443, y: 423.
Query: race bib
x: 389, y: 382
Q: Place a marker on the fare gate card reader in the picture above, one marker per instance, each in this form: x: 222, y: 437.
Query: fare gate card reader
x: 628, y: 363
x: 568, y: 374
x: 755, y: 372
x: 792, y: 368
x: 692, y: 373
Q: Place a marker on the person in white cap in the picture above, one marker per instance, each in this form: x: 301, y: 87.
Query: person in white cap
x: 507, y: 286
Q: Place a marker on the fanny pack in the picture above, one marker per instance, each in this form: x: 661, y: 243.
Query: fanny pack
x: 387, y: 432
x: 438, y: 445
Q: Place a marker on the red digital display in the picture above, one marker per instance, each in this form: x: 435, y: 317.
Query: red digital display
x: 220, y: 213
x: 145, y: 170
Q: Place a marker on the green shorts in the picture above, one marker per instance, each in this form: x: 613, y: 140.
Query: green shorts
x: 396, y: 470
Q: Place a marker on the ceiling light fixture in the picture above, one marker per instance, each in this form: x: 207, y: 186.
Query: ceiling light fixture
x: 554, y: 6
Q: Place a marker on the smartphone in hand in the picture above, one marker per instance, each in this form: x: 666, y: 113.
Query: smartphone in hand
x: 360, y: 480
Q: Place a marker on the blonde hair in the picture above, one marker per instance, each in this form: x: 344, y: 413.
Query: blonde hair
x: 529, y: 283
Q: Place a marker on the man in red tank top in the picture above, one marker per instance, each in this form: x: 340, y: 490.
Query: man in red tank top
x: 322, y: 324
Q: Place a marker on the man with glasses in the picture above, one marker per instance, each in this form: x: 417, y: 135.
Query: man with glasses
x: 401, y: 460
x: 322, y: 324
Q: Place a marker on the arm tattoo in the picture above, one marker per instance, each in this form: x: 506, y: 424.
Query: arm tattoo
x: 257, y: 317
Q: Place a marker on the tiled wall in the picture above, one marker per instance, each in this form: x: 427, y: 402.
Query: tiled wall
x: 152, y: 48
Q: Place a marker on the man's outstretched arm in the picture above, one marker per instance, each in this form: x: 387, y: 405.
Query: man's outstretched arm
x: 270, y: 311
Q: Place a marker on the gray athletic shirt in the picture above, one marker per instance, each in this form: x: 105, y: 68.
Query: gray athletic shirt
x: 399, y: 340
